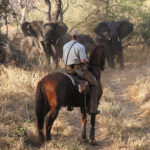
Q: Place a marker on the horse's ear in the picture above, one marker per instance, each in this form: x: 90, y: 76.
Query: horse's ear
x: 25, y: 28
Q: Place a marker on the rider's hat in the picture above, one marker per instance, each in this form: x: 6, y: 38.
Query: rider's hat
x: 75, y: 32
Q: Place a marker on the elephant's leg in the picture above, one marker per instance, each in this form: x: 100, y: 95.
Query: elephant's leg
x: 46, y: 51
x: 121, y: 59
x: 56, y: 62
x: 49, y: 122
x: 92, y: 130
x: 52, y: 62
x: 83, y: 121
x: 48, y: 58
x: 111, y: 62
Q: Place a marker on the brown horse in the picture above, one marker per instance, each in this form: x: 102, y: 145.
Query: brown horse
x: 56, y: 90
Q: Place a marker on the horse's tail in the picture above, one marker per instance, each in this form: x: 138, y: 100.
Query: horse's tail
x: 41, y: 107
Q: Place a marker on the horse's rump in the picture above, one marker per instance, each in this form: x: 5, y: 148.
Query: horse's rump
x: 59, y: 88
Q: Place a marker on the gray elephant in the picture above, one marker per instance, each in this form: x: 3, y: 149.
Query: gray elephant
x: 111, y: 34
x: 45, y: 35
x: 51, y: 37
x: 86, y: 40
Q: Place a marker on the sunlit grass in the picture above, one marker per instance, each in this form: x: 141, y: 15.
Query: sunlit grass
x: 123, y: 119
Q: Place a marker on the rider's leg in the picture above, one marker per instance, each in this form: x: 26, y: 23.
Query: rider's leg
x: 87, y: 75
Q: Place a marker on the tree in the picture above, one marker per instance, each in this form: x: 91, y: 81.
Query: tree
x: 48, y: 10
x: 58, y: 11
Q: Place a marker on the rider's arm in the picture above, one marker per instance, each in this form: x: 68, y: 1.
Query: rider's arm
x: 82, y: 55
x: 84, y: 61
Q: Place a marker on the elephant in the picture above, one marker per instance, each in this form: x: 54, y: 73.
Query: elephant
x: 32, y: 29
x: 84, y: 39
x: 111, y: 34
x: 51, y: 37
x: 44, y: 35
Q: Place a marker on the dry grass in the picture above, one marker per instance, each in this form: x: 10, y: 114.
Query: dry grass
x: 122, y: 125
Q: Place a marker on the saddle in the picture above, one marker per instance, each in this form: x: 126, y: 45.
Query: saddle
x: 81, y: 85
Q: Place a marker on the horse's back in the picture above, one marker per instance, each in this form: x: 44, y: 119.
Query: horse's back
x: 57, y: 88
x: 55, y: 79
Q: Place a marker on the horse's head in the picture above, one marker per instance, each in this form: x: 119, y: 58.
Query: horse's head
x: 97, y: 57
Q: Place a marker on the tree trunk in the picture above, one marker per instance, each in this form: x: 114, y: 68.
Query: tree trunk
x: 107, y: 9
x: 24, y: 8
x: 58, y: 11
x: 23, y: 15
x: 48, y: 10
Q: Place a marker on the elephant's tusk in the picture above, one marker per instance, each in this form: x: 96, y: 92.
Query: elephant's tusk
x: 118, y: 39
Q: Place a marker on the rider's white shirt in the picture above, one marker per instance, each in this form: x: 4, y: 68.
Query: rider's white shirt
x: 76, y: 54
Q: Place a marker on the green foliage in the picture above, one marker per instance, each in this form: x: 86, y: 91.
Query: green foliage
x: 20, y: 131
x: 35, y: 14
x: 145, y: 28
x: 6, y: 11
x: 4, y: 7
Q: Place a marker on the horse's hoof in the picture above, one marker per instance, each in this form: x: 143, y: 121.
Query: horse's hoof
x: 41, y: 138
x: 84, y: 141
x: 94, y: 143
x: 48, y: 138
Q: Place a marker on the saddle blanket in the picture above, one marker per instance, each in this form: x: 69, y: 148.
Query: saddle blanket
x: 70, y: 77
x: 82, y: 85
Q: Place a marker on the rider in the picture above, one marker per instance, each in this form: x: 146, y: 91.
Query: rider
x: 75, y: 58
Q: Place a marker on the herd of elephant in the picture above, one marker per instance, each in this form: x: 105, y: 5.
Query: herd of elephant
x: 51, y: 37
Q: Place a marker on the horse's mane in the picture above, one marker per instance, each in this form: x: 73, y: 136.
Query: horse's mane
x: 93, y: 55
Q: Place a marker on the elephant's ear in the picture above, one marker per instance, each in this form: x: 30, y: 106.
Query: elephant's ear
x: 124, y: 28
x: 37, y: 28
x: 25, y: 27
x: 37, y: 25
x: 61, y: 28
x: 102, y: 30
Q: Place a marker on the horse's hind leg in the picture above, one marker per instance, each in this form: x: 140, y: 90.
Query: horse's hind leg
x: 49, y: 122
x: 83, y: 121
x: 40, y: 111
x: 40, y: 124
